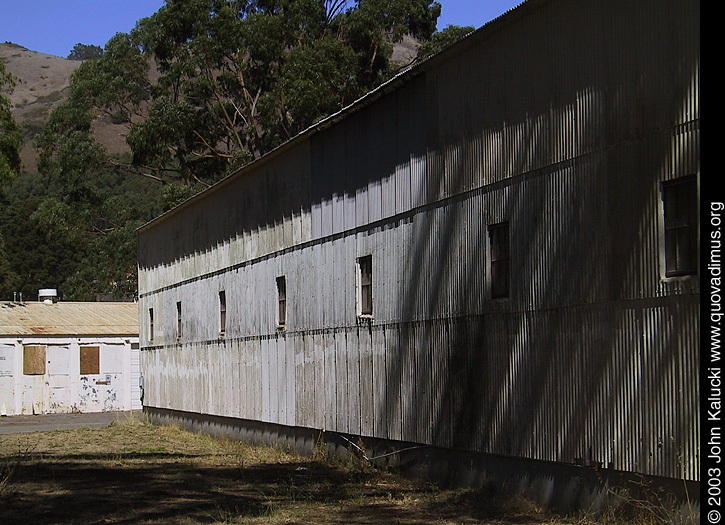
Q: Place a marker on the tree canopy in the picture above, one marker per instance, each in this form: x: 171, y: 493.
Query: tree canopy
x: 202, y: 87
x: 443, y: 39
x: 205, y: 86
x: 85, y: 52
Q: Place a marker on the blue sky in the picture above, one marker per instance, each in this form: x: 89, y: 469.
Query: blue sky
x: 55, y: 26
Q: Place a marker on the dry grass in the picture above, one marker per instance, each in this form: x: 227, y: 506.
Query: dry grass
x: 135, y: 472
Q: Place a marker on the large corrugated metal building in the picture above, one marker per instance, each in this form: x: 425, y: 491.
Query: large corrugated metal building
x: 495, y: 252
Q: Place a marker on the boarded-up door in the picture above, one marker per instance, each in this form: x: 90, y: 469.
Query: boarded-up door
x: 58, y: 377
x: 35, y: 392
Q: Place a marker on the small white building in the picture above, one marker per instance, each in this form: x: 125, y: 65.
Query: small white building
x: 68, y: 357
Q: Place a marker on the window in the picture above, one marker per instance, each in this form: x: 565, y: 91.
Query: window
x: 365, y: 285
x: 151, y: 324
x: 498, y: 238
x: 679, y: 204
x: 281, y: 301
x: 90, y: 360
x: 222, y: 312
x: 34, y: 360
x: 178, y: 320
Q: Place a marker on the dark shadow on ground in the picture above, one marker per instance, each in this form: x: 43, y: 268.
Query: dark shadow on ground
x: 173, y: 488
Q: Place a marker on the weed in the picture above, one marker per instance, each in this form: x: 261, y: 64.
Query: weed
x: 8, y: 469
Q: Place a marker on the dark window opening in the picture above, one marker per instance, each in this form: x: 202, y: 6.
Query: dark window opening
x: 281, y: 301
x: 222, y: 312
x: 498, y: 236
x: 681, y: 223
x: 365, y: 268
x: 178, y: 320
x: 151, y: 324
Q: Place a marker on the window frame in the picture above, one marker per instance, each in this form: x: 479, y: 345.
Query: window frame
x: 179, y: 325
x: 222, y: 313
x: 151, y: 324
x: 364, y: 286
x: 497, y: 259
x: 281, y: 317
x: 685, y: 230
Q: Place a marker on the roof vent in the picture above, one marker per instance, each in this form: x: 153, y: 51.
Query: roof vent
x: 48, y: 295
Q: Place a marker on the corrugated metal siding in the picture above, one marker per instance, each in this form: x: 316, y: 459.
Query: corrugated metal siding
x: 563, y: 119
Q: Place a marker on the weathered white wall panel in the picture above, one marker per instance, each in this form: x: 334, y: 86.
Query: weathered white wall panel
x: 62, y: 388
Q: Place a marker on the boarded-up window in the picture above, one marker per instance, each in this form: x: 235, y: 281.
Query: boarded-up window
x: 90, y: 360
x: 34, y: 360
x: 498, y: 236
x: 365, y: 289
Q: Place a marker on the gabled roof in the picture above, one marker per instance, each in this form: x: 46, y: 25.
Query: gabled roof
x: 37, y: 318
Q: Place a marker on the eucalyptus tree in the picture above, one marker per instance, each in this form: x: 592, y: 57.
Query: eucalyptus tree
x: 205, y: 86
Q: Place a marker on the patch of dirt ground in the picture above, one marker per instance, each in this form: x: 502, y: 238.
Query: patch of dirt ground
x: 136, y: 472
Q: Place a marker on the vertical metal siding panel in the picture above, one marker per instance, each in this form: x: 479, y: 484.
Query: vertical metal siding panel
x: 353, y: 381
x: 388, y: 195
x: 309, y: 385
x: 423, y: 380
x: 626, y: 428
x: 393, y: 246
x: 688, y: 430
x: 375, y: 200
x: 234, y: 405
x: 403, y: 199
x: 351, y: 253
x: 408, y: 393
x: 434, y: 175
x: 319, y: 379
x: 301, y: 403
x: 394, y: 368
x: 326, y: 216
x: 418, y: 180
x: 456, y: 377
x: 324, y: 293
x: 276, y: 388
x: 257, y: 384
x: 338, y: 267
x: 316, y: 220
x: 245, y: 381
x: 330, y: 386
x: 291, y: 386
x: 380, y: 375
x: 342, y: 376
x: 338, y: 213
x: 265, y: 387
x: 361, y: 207
x: 367, y: 381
